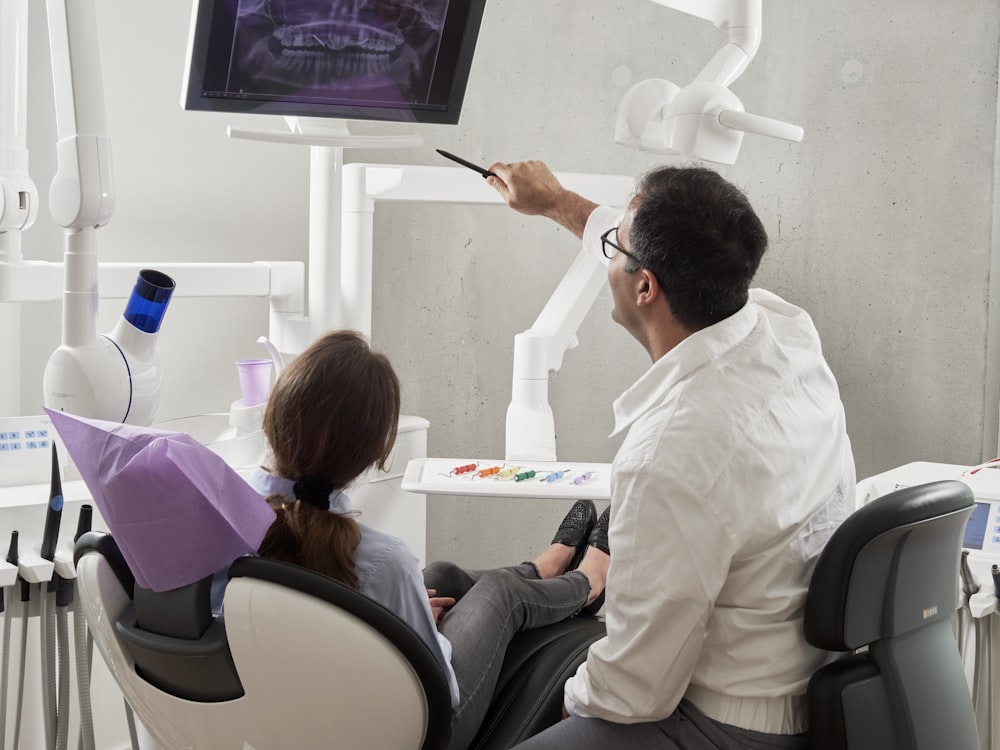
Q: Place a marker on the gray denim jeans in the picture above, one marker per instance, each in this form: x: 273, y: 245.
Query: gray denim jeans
x: 492, y: 606
x: 687, y: 728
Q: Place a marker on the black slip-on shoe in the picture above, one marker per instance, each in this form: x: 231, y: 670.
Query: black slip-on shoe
x: 576, y: 528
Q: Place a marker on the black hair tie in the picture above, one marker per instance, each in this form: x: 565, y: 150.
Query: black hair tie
x: 314, y: 491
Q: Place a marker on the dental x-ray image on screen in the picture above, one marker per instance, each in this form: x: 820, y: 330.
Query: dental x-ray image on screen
x: 369, y: 59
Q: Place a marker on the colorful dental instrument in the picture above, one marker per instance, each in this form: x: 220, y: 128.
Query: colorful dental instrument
x: 554, y: 475
x: 509, y: 473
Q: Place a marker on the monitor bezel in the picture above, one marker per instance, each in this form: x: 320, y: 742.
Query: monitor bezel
x: 198, y: 48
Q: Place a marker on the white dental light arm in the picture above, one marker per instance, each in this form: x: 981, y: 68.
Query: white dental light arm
x: 115, y: 376
x: 530, y: 427
x: 704, y: 119
x: 743, y: 20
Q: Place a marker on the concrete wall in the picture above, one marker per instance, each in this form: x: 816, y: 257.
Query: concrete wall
x: 881, y: 222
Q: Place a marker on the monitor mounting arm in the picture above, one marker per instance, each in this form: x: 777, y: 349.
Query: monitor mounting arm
x: 703, y: 119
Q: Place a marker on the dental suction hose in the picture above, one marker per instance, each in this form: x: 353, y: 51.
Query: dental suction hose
x: 83, y: 647
x: 115, y: 376
x: 22, y: 661
x: 12, y: 555
x: 47, y: 611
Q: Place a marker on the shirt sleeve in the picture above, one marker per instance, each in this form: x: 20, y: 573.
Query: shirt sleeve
x: 399, y: 586
x: 669, y: 558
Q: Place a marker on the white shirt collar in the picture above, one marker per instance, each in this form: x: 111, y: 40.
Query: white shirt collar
x: 694, y: 351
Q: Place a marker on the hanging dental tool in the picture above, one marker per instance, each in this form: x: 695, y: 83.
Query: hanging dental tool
x: 14, y: 558
x: 54, y: 640
x: 703, y: 119
x: 83, y: 644
x: 7, y: 589
x: 114, y: 376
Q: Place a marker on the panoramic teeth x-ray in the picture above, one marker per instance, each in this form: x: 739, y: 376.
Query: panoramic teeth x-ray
x: 384, y: 47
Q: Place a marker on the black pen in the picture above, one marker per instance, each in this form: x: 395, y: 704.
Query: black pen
x: 996, y: 580
x: 474, y: 167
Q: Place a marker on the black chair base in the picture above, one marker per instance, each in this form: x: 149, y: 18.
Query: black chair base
x: 529, y: 693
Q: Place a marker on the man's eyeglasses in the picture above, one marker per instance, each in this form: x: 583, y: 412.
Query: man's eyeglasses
x: 609, y: 247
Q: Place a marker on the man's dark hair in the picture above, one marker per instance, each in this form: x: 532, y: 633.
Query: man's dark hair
x: 702, y: 240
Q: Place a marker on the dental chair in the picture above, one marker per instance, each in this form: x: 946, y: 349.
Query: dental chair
x: 884, y: 590
x: 299, y: 661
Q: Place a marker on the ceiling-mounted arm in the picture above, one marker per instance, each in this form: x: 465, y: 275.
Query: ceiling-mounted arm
x: 742, y: 18
x: 704, y: 119
x: 82, y: 193
x: 722, y: 13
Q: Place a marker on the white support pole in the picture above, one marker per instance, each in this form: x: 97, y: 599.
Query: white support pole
x: 324, y: 268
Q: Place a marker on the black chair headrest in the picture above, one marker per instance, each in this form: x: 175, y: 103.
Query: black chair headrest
x: 890, y: 567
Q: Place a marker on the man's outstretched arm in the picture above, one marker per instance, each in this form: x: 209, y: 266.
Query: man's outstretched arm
x: 530, y: 188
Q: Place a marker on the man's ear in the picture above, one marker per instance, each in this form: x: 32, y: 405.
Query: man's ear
x: 648, y: 288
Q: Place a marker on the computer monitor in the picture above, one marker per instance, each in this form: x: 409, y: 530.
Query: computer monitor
x: 402, y: 60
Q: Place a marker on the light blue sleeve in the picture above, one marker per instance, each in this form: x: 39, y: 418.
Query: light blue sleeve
x: 390, y: 574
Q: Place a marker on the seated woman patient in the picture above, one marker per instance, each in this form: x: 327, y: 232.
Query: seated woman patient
x: 331, y: 416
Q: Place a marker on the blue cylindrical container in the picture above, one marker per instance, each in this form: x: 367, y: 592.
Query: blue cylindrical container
x: 149, y: 300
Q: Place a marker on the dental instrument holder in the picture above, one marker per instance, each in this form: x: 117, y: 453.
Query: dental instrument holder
x: 704, y: 119
x: 8, y: 566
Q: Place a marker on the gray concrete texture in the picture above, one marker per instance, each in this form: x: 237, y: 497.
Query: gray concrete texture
x: 881, y: 222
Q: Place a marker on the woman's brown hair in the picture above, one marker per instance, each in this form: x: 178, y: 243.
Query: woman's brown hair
x: 332, y: 414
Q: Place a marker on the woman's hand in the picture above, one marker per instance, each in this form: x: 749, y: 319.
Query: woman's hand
x: 439, y: 604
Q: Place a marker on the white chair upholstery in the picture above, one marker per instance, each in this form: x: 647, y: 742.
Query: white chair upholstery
x: 311, y: 673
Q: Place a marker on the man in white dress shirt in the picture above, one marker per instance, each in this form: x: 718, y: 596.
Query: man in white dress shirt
x: 735, y: 471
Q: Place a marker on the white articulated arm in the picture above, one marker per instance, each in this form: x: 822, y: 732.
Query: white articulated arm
x: 115, y: 376
x: 704, y: 119
x: 530, y: 425
x: 742, y: 18
x: 81, y: 197
x: 720, y: 12
x: 82, y: 193
x: 18, y: 195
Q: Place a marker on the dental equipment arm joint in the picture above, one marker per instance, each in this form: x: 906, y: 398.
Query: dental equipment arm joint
x: 703, y: 119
